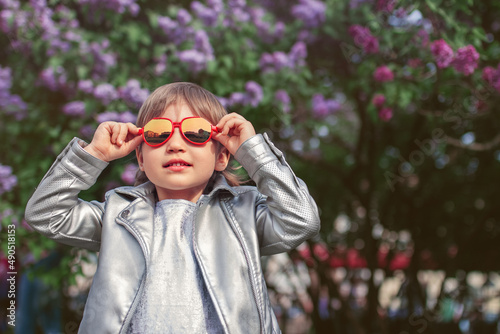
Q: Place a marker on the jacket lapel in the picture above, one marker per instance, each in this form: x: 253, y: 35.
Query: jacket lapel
x: 138, y: 216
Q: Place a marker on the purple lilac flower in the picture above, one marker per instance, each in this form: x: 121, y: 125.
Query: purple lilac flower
x: 195, y: 59
x: 209, y: 16
x: 466, y: 60
x: 378, y: 100
x: 238, y: 98
x: 364, y: 39
x: 174, y: 31
x: 102, y: 61
x: 319, y: 105
x: 38, y: 5
x: 5, y: 18
x: 239, y: 14
x: 161, y: 64
x: 12, y: 4
x: 14, y: 105
x: 113, y: 116
x: 323, y: 107
x: 128, y: 175
x: 86, y: 86
x: 75, y: 108
x: 53, y: 79
x: 183, y: 17
x: 487, y: 75
x: 423, y: 36
x: 279, y: 59
x: 56, y: 46
x: 167, y: 24
x: 385, y: 114
x: 254, y: 93
x: 106, y: 93
x: 127, y: 117
x: 87, y: 131
x: 306, y: 36
x: 263, y: 27
x: 442, y: 52
x: 12, y: 20
x: 298, y: 54
x: 310, y: 12
x: 383, y: 74
x: 202, y: 44
x: 279, y: 30
x: 118, y: 6
x: 282, y: 97
x: 492, y: 76
x: 132, y: 93
x: 216, y: 5
x: 7, y: 180
x: 237, y: 3
x: 5, y: 79
x: 224, y: 101
x: 49, y: 27
x: 108, y: 116
x: 333, y: 105
x: 10, y: 104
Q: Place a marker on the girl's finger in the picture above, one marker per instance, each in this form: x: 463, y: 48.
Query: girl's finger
x: 123, y: 134
x: 227, y: 118
x: 134, y: 130
x: 115, y: 131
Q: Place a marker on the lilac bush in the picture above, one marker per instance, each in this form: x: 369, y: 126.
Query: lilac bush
x: 466, y: 60
x: 7, y: 180
x: 10, y: 104
x: 442, y: 52
x: 106, y: 93
x: 364, y: 38
x: 75, y: 108
x: 383, y: 74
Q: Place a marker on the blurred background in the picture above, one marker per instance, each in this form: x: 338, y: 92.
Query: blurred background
x: 387, y: 109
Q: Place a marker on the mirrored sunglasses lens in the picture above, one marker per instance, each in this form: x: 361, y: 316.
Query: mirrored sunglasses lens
x: 157, y: 131
x: 197, y: 130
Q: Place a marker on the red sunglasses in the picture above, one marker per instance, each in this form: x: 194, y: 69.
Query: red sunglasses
x: 195, y: 130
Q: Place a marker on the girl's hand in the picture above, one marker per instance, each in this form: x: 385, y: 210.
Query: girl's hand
x: 235, y: 130
x: 114, y: 140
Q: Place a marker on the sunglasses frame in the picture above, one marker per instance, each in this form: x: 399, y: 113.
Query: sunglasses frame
x: 178, y: 125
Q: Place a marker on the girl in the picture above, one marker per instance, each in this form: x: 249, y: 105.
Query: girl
x: 179, y: 252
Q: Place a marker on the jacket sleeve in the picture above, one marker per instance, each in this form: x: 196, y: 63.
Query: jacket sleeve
x: 55, y: 210
x: 286, y: 214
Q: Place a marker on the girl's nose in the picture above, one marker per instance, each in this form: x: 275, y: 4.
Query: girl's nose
x: 176, y: 143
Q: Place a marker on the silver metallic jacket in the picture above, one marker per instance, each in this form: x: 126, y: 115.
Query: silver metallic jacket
x: 234, y: 226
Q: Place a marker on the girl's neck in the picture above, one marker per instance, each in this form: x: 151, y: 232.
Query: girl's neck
x: 184, y: 194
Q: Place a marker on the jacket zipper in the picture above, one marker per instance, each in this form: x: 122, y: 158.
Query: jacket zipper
x: 245, y: 251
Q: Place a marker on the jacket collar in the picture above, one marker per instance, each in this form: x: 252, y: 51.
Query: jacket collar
x: 148, y: 190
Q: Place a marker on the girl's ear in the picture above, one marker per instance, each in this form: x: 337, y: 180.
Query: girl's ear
x: 140, y: 160
x: 222, y: 159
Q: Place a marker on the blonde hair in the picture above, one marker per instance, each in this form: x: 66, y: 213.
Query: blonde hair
x: 201, y: 102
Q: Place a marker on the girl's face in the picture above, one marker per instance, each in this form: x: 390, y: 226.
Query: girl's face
x: 179, y: 169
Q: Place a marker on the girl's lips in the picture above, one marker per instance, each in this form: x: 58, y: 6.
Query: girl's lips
x: 177, y: 168
x: 176, y: 165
